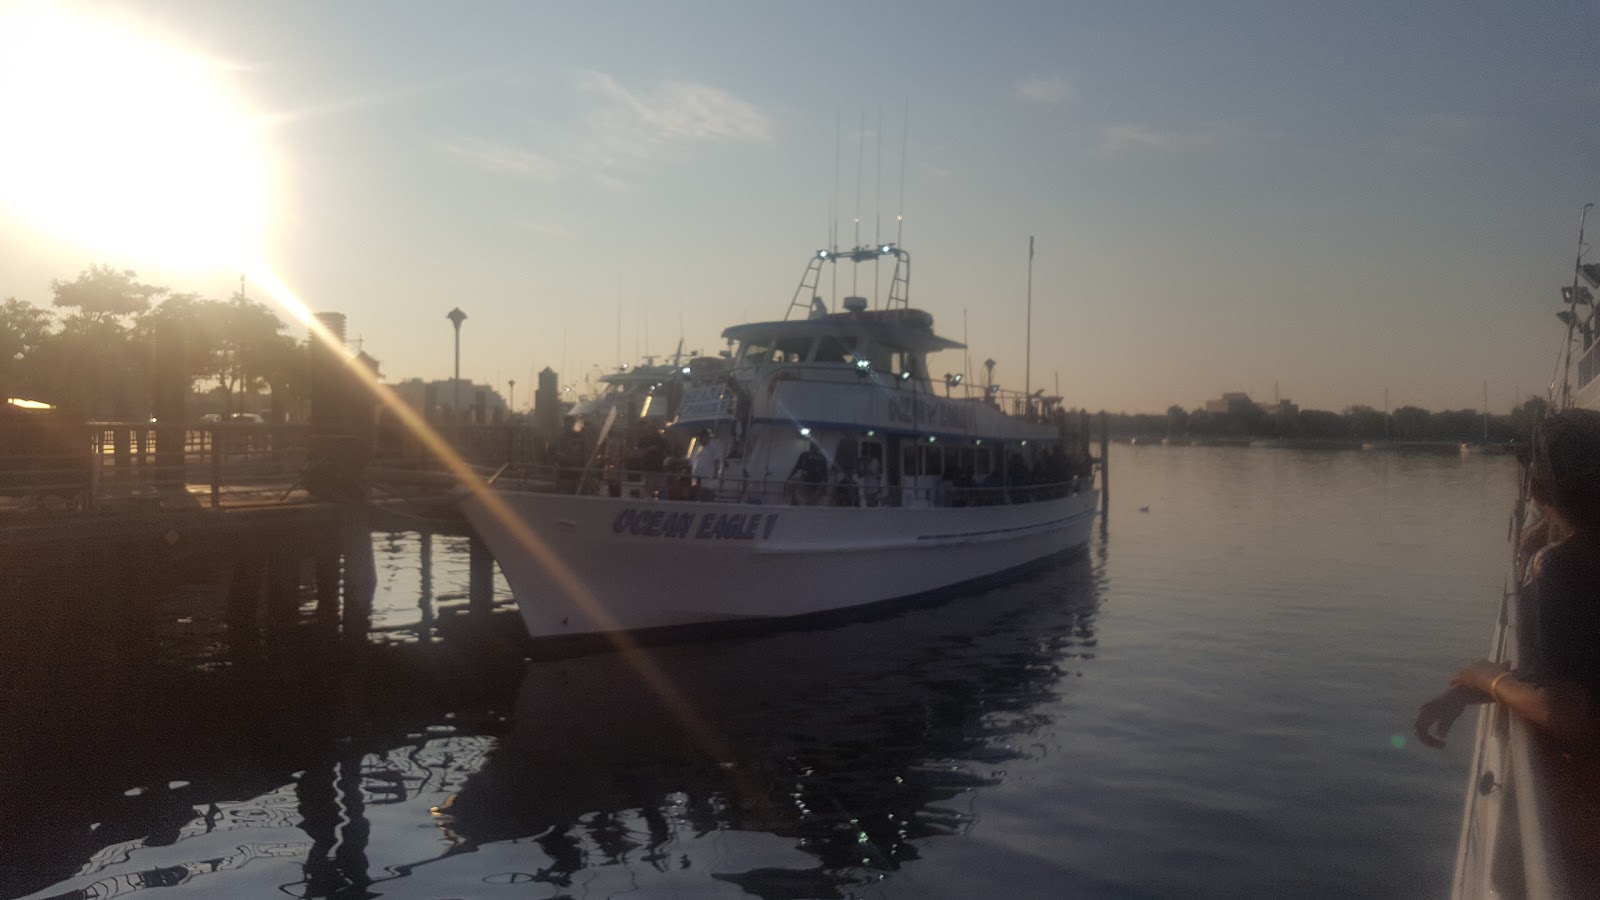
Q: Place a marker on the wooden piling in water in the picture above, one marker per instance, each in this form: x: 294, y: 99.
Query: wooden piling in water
x: 360, y: 576
x: 1105, y: 463
x: 244, y: 599
x: 425, y: 595
x: 327, y: 578
x: 283, y: 588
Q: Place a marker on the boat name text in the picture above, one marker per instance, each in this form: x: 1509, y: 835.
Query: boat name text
x: 701, y: 526
x: 929, y: 411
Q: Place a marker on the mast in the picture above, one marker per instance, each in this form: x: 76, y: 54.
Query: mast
x: 1027, y: 378
x: 1486, y: 410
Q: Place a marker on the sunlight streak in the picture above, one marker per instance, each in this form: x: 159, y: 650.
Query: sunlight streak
x: 126, y: 144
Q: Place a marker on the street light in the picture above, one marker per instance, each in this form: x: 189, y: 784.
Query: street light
x: 456, y: 317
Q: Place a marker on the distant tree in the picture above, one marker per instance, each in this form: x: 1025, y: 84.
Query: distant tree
x: 1412, y: 423
x: 101, y: 293
x: 1320, y: 423
x: 24, y: 328
x: 232, y: 342
x: 1366, y: 423
x: 1457, y: 425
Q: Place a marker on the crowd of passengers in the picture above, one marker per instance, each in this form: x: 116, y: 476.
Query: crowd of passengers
x: 859, y: 481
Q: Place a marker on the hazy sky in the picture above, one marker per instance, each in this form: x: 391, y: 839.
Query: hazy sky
x: 1338, y: 198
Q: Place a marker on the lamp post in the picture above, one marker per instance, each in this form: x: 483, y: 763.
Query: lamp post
x: 456, y: 317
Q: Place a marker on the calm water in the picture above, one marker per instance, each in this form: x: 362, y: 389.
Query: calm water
x: 1212, y: 701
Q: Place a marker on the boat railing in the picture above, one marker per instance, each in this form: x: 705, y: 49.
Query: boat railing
x: 736, y: 488
x: 1510, y: 845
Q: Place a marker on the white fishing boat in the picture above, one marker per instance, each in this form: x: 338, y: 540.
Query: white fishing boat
x: 1511, y: 843
x: 826, y: 471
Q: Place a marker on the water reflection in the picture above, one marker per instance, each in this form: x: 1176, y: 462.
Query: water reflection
x: 852, y: 744
x: 444, y: 769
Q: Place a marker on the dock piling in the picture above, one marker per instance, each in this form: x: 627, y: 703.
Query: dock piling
x: 1105, y: 464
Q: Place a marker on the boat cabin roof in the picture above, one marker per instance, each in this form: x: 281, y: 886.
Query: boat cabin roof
x: 909, y: 329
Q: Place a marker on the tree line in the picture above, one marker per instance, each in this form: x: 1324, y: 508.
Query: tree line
x: 1353, y: 424
x: 96, y: 349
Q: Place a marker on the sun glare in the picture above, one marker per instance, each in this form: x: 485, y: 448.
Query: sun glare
x: 124, y: 143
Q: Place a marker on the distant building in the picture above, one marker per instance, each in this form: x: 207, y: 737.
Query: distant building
x: 433, y: 397
x: 1231, y: 402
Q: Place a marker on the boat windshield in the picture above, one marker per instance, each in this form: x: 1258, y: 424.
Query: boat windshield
x: 836, y: 349
x: 756, y: 351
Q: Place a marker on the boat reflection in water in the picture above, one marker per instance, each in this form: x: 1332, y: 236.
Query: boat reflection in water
x: 811, y: 761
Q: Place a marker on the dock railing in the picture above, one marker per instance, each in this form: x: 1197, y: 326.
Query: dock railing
x: 106, y: 465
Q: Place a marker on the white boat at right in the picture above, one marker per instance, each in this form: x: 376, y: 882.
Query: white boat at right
x: 1512, y: 843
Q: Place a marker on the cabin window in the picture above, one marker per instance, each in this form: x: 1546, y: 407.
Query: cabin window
x: 756, y: 351
x: 835, y: 349
x: 984, y: 463
x: 933, y: 461
x: 793, y: 350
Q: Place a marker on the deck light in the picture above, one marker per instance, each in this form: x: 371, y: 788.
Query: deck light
x: 684, y: 370
x: 871, y: 433
x: 906, y: 375
x: 805, y: 432
x: 931, y: 438
x: 1024, y: 443
x: 978, y: 442
x: 822, y: 254
x: 886, y: 248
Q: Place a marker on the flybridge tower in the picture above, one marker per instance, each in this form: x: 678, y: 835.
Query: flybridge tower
x: 807, y: 301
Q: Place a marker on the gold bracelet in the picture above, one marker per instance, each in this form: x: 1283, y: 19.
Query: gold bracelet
x: 1496, y: 683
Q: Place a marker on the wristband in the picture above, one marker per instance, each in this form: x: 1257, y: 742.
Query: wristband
x: 1496, y: 683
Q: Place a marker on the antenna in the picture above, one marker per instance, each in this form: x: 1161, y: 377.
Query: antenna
x: 861, y: 153
x: 833, y: 202
x: 1027, y: 377
x: 833, y: 236
x: 877, y: 204
x: 966, y: 355
x: 900, y: 217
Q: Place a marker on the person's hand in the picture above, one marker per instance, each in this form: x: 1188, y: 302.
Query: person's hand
x: 1435, y: 718
x: 1479, y: 675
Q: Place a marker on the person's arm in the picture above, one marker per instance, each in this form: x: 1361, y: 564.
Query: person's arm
x: 1560, y: 708
x: 1435, y: 718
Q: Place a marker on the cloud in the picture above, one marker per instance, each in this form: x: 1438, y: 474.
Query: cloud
x: 505, y: 159
x: 1051, y: 91
x: 674, y: 112
x: 620, y: 130
x: 1128, y: 136
x: 546, y: 229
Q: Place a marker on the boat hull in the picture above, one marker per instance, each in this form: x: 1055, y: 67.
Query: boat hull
x: 632, y: 565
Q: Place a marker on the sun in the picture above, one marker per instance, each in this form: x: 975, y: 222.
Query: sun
x: 124, y: 143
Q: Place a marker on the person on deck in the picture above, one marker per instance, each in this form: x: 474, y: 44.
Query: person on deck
x: 1556, y: 687
x: 812, y: 470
